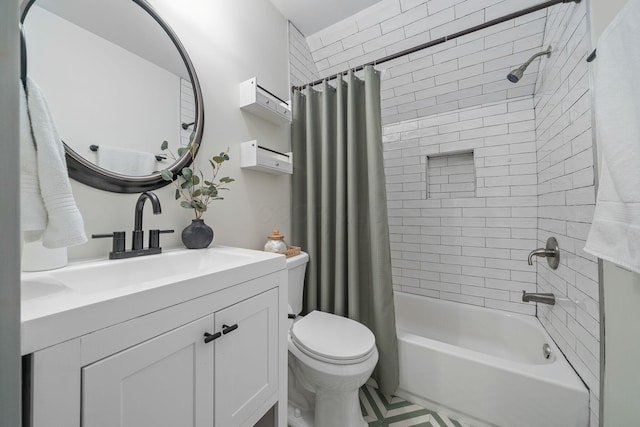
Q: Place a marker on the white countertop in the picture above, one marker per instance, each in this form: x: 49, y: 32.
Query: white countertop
x: 86, y: 296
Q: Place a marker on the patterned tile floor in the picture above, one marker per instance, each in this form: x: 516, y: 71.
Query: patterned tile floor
x: 384, y: 411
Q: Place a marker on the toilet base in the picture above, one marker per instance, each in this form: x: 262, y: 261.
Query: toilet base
x: 338, y: 408
x: 328, y: 408
x: 297, y: 418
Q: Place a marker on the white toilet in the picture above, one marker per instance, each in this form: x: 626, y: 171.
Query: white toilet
x: 330, y: 358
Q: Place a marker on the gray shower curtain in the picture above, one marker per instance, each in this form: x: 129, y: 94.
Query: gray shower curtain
x: 339, y: 209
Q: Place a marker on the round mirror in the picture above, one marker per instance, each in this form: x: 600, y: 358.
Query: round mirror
x: 118, y: 83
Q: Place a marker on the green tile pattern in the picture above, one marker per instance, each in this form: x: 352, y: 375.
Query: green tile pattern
x: 391, y: 411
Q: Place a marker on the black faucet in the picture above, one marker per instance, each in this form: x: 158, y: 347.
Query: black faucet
x: 138, y: 234
x: 137, y: 246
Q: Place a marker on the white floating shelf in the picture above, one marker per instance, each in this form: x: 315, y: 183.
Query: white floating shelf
x: 253, y: 156
x: 260, y: 102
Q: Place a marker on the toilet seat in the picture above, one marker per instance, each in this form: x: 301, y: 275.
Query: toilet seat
x: 332, y: 339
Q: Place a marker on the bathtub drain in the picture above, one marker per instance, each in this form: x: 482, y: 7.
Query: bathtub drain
x: 546, y: 350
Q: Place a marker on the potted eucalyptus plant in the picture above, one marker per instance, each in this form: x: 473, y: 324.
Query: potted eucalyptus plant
x: 197, y: 192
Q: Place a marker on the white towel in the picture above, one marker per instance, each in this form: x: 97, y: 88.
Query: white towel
x: 126, y: 162
x: 33, y: 215
x: 615, y: 231
x: 65, y: 226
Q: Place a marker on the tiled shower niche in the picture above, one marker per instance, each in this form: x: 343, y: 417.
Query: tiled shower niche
x: 450, y: 176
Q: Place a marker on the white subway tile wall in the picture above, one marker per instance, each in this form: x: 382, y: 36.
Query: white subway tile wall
x: 302, y: 68
x: 469, y: 246
x: 566, y: 193
x: 464, y: 72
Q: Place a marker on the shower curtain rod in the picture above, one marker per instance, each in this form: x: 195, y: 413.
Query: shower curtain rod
x: 445, y: 39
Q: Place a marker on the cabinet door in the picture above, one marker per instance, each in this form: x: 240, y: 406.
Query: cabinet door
x: 164, y: 382
x: 246, y: 358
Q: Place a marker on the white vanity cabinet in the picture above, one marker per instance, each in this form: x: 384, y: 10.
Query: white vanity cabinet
x: 178, y: 379
x: 166, y: 381
x: 157, y: 370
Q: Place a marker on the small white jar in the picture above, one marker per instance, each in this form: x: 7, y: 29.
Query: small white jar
x: 275, y: 243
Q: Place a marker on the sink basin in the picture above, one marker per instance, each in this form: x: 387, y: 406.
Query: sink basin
x: 41, y: 287
x: 106, y: 275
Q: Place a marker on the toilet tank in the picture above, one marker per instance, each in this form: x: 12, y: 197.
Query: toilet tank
x: 297, y: 266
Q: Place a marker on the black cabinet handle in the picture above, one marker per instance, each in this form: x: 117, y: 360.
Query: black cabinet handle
x: 210, y: 337
x: 226, y: 329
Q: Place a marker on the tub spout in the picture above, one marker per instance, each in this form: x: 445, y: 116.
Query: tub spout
x: 537, y: 297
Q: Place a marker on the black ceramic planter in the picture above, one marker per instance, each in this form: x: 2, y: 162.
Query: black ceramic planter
x: 198, y: 235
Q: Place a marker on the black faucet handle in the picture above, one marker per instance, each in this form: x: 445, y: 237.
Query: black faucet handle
x: 118, y: 240
x: 154, y: 237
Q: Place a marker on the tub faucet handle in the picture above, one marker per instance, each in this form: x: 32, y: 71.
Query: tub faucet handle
x: 536, y: 252
x: 551, y: 251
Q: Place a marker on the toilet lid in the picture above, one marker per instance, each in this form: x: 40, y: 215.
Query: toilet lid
x: 333, y: 338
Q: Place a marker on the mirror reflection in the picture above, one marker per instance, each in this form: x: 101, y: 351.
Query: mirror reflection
x: 116, y: 84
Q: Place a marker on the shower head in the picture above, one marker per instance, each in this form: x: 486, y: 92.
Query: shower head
x: 515, y: 75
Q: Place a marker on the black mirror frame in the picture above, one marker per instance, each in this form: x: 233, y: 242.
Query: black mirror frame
x: 90, y: 174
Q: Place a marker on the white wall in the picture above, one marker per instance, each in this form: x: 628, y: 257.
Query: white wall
x: 602, y: 13
x: 99, y: 92
x: 621, y: 301
x: 566, y: 193
x: 10, y: 362
x: 187, y: 110
x: 228, y: 41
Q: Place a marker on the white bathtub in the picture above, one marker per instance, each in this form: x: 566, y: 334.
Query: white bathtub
x: 484, y: 367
